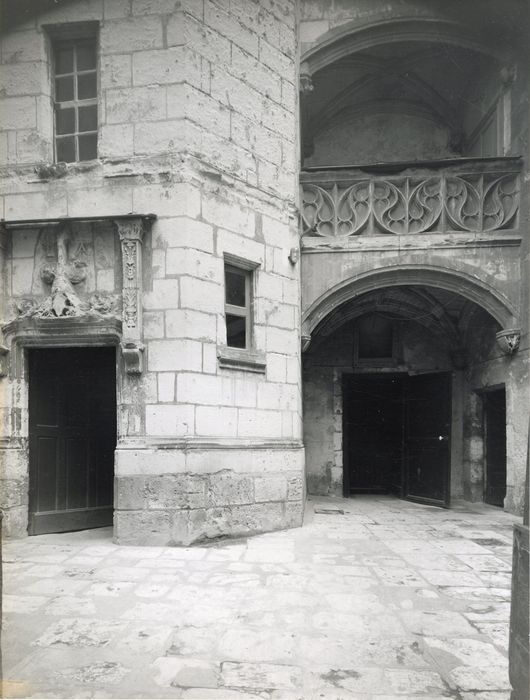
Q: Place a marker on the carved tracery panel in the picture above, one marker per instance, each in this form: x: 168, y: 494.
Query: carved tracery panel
x: 477, y: 203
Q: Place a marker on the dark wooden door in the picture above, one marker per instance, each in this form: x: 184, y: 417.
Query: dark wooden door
x: 427, y: 438
x: 72, y: 436
x: 495, y: 444
x: 373, y: 432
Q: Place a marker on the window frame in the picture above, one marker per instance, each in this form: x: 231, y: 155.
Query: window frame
x: 74, y: 35
x: 247, y: 359
x: 392, y: 361
x: 246, y: 311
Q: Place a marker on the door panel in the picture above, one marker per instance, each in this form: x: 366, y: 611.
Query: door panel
x: 373, y: 430
x: 495, y: 444
x: 72, y: 418
x: 397, y: 435
x: 427, y: 442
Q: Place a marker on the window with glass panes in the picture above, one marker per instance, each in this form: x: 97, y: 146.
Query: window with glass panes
x: 76, y: 109
x: 238, y: 306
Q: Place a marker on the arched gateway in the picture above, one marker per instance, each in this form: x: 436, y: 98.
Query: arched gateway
x: 413, y: 314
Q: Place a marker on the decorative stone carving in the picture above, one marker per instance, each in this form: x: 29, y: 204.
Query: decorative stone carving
x: 475, y: 203
x: 62, y: 276
x: 306, y: 342
x: 98, y: 304
x: 131, y: 233
x: 48, y: 171
x: 508, y: 340
x: 4, y: 352
x: 132, y: 354
x: 306, y: 80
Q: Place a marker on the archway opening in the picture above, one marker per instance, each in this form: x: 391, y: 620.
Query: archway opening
x: 390, y: 395
x: 406, y: 90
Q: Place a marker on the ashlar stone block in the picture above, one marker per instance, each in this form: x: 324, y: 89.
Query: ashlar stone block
x: 270, y: 488
x: 227, y: 489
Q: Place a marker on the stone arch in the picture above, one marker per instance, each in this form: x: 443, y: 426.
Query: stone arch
x: 477, y: 291
x: 352, y: 37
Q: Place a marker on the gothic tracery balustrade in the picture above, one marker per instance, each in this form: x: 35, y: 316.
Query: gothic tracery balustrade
x: 475, y: 196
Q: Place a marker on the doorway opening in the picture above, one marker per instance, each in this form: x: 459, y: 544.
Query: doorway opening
x: 396, y: 435
x: 72, y: 437
x: 495, y: 446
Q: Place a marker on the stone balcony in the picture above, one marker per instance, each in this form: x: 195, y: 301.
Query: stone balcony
x: 463, y: 195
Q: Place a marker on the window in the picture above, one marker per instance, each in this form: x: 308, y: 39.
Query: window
x: 376, y: 341
x: 75, y: 93
x: 238, y: 307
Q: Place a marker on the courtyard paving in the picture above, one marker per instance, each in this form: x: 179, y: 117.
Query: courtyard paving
x: 372, y: 598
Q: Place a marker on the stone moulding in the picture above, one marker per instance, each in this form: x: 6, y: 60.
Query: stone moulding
x: 482, y: 198
x: 247, y: 360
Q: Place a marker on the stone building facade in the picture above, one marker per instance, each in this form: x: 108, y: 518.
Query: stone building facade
x: 182, y: 230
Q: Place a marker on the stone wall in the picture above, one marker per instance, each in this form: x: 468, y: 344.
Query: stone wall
x: 197, y: 125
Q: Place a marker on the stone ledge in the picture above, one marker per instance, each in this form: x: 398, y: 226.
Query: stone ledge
x: 239, y: 359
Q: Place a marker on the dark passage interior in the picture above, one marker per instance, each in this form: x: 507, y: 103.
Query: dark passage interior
x: 397, y: 435
x: 495, y: 446
x: 72, y: 436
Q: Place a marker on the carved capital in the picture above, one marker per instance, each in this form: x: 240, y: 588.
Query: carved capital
x: 4, y: 352
x: 508, y: 340
x: 133, y: 356
x: 130, y: 229
x: 508, y: 74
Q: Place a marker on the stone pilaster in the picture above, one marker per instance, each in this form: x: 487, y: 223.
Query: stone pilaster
x: 131, y: 233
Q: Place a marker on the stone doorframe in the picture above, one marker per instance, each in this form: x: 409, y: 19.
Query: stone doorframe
x: 83, y: 330
x: 14, y: 443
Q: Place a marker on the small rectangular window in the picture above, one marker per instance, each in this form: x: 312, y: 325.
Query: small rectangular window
x: 75, y: 95
x: 238, y: 307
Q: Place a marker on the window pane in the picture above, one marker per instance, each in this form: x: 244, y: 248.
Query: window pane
x: 64, y: 89
x: 88, y: 118
x: 236, y: 335
x: 66, y: 149
x: 64, y: 60
x: 86, y: 57
x: 88, y: 147
x: 65, y: 120
x: 86, y: 86
x: 235, y: 288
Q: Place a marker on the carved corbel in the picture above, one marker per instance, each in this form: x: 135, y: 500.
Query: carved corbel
x: 131, y: 233
x: 306, y: 80
x: 508, y: 340
x: 4, y: 352
x: 133, y: 357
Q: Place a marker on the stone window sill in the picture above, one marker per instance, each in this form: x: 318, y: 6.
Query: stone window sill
x: 236, y: 358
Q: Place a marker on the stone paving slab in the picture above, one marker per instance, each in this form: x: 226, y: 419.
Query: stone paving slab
x: 387, y: 599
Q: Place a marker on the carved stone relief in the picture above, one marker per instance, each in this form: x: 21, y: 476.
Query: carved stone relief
x: 131, y: 233
x: 403, y: 205
x: 508, y: 340
x: 65, y: 270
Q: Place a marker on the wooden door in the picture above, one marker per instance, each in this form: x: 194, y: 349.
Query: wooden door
x: 495, y: 447
x: 373, y: 432
x: 72, y: 436
x: 427, y: 438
